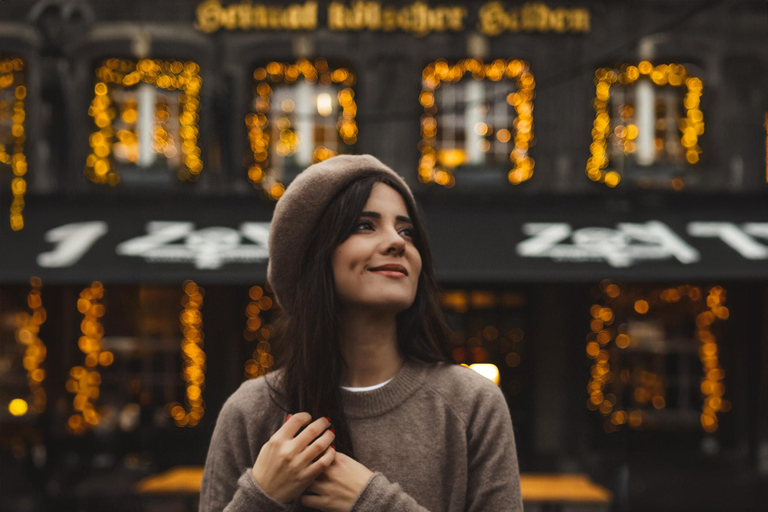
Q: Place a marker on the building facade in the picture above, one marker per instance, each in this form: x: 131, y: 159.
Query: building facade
x: 593, y: 175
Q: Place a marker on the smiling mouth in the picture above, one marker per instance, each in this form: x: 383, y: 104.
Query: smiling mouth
x: 388, y: 273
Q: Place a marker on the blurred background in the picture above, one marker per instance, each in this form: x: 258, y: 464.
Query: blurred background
x: 594, y: 178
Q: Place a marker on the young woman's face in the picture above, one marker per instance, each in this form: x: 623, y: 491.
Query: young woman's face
x: 383, y: 235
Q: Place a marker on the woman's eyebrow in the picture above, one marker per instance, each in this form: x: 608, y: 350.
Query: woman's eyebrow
x: 377, y: 215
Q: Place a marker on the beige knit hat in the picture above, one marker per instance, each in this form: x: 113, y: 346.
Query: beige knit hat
x: 298, y: 211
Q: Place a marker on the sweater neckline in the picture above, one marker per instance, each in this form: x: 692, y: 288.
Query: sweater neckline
x: 366, y: 404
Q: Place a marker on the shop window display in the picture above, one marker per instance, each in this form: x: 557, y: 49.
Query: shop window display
x: 301, y: 113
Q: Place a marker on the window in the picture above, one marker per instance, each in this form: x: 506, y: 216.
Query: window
x: 647, y: 125
x: 476, y: 116
x: 146, y: 122
x: 491, y: 329
x: 22, y: 350
x: 302, y: 113
x: 656, y: 358
x: 13, y: 92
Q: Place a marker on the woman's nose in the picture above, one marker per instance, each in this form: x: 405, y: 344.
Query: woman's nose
x: 394, y: 241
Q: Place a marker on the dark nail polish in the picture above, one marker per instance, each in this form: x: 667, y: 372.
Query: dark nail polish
x: 333, y: 446
x: 332, y: 430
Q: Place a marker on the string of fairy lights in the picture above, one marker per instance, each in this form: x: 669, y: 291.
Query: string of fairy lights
x: 27, y: 333
x: 691, y: 126
x: 261, y: 360
x: 169, y: 75
x: 12, y: 80
x: 282, y: 139
x: 272, y: 131
x: 437, y: 164
x: 193, y: 356
x: 623, y: 393
x: 610, y: 380
x: 85, y: 379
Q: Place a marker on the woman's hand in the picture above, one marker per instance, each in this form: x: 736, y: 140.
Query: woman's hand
x: 337, y: 489
x: 286, y: 464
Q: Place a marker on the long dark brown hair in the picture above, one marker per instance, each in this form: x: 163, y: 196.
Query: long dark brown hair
x: 307, y: 342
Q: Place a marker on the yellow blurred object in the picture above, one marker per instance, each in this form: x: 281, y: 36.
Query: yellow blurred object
x: 574, y: 488
x: 487, y: 370
x: 535, y: 487
x: 184, y: 479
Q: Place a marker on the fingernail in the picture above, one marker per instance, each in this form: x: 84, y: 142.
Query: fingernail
x: 332, y: 430
x: 333, y: 446
x: 288, y: 417
x: 328, y: 418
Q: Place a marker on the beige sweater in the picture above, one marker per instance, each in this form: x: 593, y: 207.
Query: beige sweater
x: 438, y: 437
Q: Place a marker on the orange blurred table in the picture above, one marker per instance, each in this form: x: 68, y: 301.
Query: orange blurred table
x: 562, y: 488
x: 543, y: 488
x: 178, y: 480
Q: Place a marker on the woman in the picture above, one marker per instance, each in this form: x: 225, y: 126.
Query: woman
x: 389, y: 423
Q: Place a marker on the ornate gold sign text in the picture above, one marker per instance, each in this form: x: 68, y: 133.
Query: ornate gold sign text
x: 418, y: 18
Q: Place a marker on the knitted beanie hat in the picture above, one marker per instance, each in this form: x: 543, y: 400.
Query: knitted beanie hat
x: 299, y: 210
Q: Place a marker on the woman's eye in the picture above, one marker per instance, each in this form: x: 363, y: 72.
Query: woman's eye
x: 364, y: 224
x: 410, y: 232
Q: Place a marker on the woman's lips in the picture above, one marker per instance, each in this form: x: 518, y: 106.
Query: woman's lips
x: 388, y: 273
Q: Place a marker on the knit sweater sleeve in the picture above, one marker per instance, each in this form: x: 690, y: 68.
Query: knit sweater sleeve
x: 493, y: 475
x: 228, y: 484
x: 381, y: 494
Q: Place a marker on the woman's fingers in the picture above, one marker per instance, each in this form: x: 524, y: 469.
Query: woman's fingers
x: 316, y: 468
x: 310, y: 433
x: 316, y: 449
x: 292, y: 426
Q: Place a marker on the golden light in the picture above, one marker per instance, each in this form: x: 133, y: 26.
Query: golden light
x: 261, y: 359
x: 647, y: 388
x: 432, y: 169
x: 166, y: 75
x: 641, y: 306
x: 18, y: 407
x: 691, y: 126
x: 262, y: 142
x: 487, y: 370
x: 12, y: 77
x: 27, y: 328
x: 324, y: 104
x: 193, y: 357
x: 451, y: 157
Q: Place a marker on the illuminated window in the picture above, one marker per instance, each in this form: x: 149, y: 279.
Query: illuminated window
x: 13, y: 93
x: 647, y: 124
x: 259, y: 359
x: 146, y: 122
x: 302, y: 113
x: 656, y: 358
x: 139, y: 356
x: 476, y: 115
x: 490, y: 329
x: 23, y: 365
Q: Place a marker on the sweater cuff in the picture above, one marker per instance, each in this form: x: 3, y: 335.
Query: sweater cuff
x: 250, y: 496
x: 367, y: 498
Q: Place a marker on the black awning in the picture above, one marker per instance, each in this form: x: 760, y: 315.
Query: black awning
x: 527, y: 239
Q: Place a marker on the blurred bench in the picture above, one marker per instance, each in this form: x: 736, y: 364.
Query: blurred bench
x: 567, y: 492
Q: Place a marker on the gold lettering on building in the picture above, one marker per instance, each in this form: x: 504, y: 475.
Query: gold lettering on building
x: 531, y: 17
x: 212, y: 16
x: 418, y: 18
